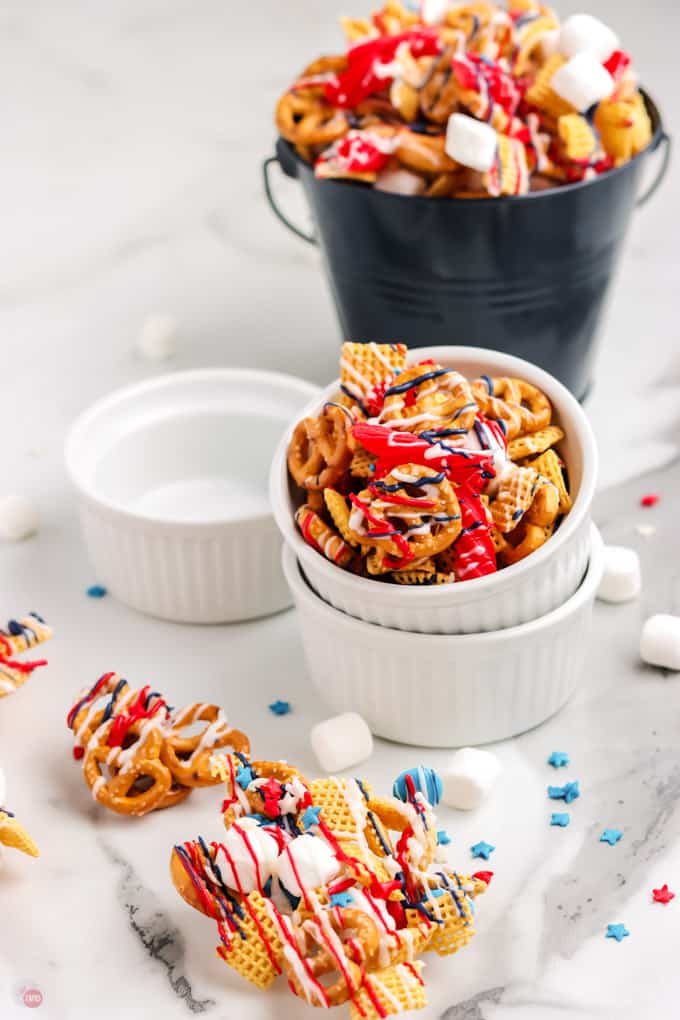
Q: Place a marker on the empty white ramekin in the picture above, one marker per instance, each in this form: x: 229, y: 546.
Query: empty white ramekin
x: 446, y: 690
x: 518, y: 593
x: 171, y: 480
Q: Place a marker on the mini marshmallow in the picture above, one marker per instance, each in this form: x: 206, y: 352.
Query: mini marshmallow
x: 582, y: 33
x: 341, y: 741
x: 247, y: 853
x: 307, y: 862
x: 158, y: 338
x: 660, y: 641
x: 18, y: 518
x: 432, y: 12
x: 621, y: 580
x: 399, y: 182
x: 469, y: 778
x: 582, y: 81
x: 471, y: 142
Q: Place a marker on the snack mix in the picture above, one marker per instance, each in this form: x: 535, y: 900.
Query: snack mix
x: 472, y: 100
x: 20, y: 636
x: 324, y: 883
x: 417, y: 475
x: 140, y: 755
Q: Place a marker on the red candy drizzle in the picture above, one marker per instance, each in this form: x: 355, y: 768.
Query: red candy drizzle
x: 360, y: 80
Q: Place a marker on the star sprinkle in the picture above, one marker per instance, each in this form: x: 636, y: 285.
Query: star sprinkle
x: 482, y: 849
x: 443, y: 838
x: 611, y: 836
x: 280, y: 707
x: 311, y: 817
x: 651, y: 499
x: 341, y: 899
x: 560, y: 818
x: 617, y: 931
x: 558, y: 759
x: 244, y: 776
x: 663, y: 895
x: 96, y: 591
x: 567, y: 793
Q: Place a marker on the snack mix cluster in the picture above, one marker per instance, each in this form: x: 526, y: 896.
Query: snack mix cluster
x: 138, y: 754
x: 447, y: 99
x: 417, y: 475
x: 324, y: 883
x: 19, y: 636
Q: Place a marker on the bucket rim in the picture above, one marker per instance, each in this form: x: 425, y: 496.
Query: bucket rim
x: 561, y: 189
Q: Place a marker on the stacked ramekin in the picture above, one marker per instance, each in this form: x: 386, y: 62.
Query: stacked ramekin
x: 463, y: 663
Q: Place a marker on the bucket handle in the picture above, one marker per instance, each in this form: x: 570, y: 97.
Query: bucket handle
x: 664, y: 140
x: 309, y: 238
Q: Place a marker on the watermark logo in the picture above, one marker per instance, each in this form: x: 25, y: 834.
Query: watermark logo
x: 32, y: 998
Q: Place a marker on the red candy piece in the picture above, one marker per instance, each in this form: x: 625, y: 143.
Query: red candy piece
x: 651, y: 499
x: 474, y: 551
x: 618, y: 64
x: 357, y: 153
x: 393, y: 448
x: 663, y: 895
x: 360, y: 81
x: 484, y: 876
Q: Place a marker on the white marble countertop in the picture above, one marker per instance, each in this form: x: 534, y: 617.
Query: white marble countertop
x: 129, y: 184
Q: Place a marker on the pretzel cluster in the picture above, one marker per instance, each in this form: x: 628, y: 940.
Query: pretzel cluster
x: 140, y: 755
x: 417, y: 475
x: 378, y: 114
x: 326, y: 884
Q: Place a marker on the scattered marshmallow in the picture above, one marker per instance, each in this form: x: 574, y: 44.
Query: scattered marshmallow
x: 307, y: 863
x: 469, y: 778
x: 158, y: 338
x: 660, y: 641
x: 582, y: 81
x: 583, y: 33
x: 341, y: 741
x: 471, y: 142
x: 399, y: 182
x: 621, y: 580
x: 646, y: 530
x: 18, y: 518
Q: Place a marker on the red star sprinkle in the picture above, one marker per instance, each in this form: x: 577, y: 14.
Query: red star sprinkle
x: 651, y: 499
x: 484, y: 876
x: 663, y: 895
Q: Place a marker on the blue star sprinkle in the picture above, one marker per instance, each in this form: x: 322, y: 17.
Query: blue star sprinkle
x: 558, y: 759
x: 611, y: 836
x: 280, y: 707
x: 311, y: 817
x: 244, y: 776
x: 567, y: 793
x: 443, y: 838
x: 482, y: 849
x: 341, y: 899
x: 96, y: 591
x: 560, y: 818
x: 617, y: 931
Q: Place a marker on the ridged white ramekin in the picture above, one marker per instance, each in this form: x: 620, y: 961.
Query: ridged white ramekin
x: 518, y: 593
x: 171, y: 480
x: 446, y: 690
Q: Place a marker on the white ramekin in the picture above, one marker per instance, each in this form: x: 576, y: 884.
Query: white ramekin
x: 171, y: 480
x: 446, y: 690
x: 518, y: 593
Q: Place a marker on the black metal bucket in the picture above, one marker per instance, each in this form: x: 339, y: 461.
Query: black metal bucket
x: 526, y: 275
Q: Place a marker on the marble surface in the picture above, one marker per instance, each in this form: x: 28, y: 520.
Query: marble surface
x: 130, y: 184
